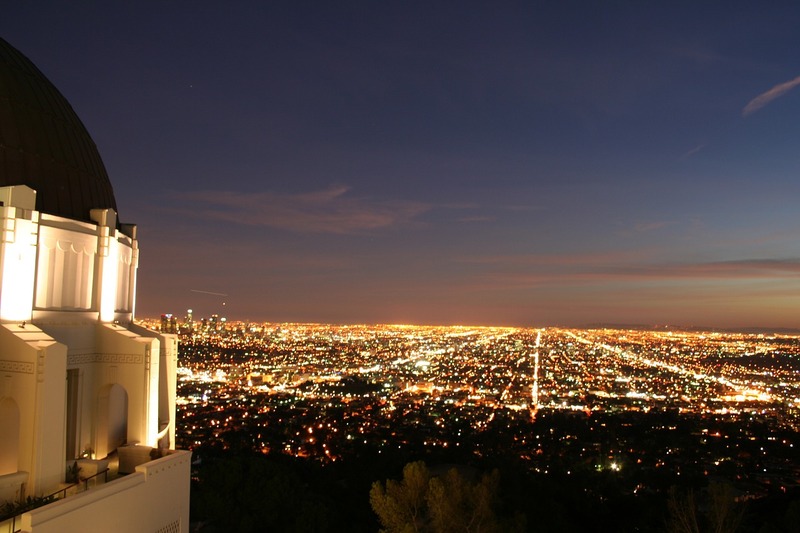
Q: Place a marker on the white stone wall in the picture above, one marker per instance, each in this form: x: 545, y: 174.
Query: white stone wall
x: 154, y: 499
x: 67, y: 297
x: 65, y: 271
x: 34, y: 366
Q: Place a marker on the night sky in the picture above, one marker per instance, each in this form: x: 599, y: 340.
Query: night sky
x: 506, y: 163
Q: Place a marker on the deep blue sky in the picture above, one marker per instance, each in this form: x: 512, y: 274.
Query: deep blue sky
x: 509, y: 163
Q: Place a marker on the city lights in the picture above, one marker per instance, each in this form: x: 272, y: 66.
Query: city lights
x: 653, y: 400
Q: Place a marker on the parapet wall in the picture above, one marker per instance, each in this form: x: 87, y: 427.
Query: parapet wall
x: 153, y: 499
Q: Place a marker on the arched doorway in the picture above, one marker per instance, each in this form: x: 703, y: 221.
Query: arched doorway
x: 9, y: 436
x: 112, y: 424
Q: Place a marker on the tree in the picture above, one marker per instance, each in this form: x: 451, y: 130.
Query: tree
x: 401, y: 506
x: 682, y: 512
x: 456, y: 505
x: 723, y: 514
x: 425, y: 503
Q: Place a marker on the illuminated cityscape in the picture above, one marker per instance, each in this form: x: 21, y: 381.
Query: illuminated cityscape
x: 653, y: 408
x: 311, y: 183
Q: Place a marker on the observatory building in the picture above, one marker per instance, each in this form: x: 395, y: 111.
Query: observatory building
x: 87, y: 397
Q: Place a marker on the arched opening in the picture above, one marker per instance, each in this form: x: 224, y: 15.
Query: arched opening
x: 9, y: 436
x: 112, y: 424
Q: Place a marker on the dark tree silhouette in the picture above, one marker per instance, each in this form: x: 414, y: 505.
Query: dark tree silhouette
x: 422, y: 502
x: 722, y: 514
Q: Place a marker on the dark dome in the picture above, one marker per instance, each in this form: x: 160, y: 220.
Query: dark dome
x: 44, y: 145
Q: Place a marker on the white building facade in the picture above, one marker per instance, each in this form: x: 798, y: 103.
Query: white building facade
x: 81, y: 385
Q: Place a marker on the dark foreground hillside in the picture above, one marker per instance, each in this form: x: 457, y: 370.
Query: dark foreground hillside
x: 244, y: 491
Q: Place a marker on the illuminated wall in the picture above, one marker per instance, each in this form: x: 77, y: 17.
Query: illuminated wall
x: 126, y: 504
x: 18, y: 235
x: 76, y: 375
x: 65, y: 269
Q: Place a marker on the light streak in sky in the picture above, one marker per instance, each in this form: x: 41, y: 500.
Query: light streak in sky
x: 208, y: 292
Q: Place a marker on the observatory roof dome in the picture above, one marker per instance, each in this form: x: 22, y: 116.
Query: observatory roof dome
x: 44, y: 145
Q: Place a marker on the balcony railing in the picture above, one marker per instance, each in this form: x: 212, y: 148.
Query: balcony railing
x: 83, y: 482
x: 10, y: 520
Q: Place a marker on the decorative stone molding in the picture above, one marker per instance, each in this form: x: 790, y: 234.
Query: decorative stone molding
x: 122, y: 358
x: 19, y: 367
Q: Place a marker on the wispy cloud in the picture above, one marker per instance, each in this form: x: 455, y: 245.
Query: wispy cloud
x: 693, y: 151
x: 522, y: 207
x: 644, y: 227
x: 331, y: 210
x: 556, y: 260
x: 477, y: 218
x: 621, y: 267
x: 764, y: 98
x: 739, y: 269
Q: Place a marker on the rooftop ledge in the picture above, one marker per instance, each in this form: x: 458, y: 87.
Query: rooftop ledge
x: 155, y: 495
